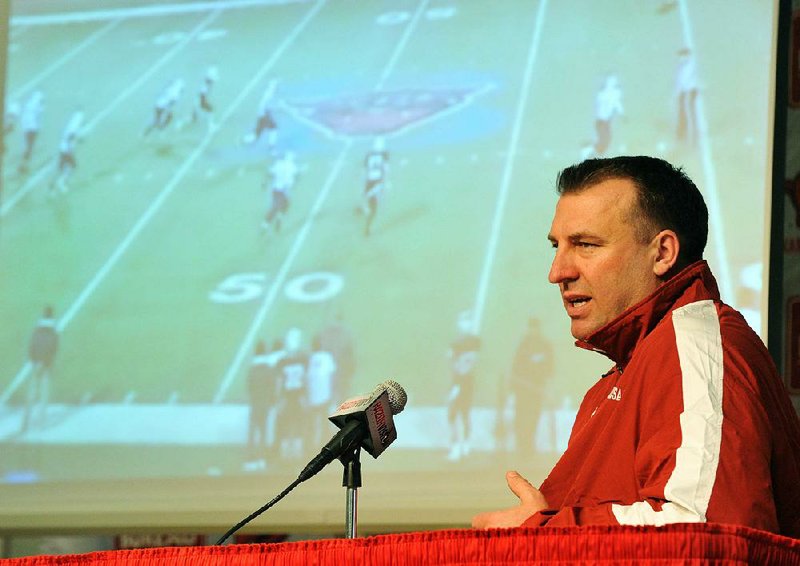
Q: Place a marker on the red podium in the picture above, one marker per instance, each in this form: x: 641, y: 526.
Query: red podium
x: 672, y: 544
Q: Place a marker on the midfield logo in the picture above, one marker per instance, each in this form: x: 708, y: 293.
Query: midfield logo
x: 381, y: 113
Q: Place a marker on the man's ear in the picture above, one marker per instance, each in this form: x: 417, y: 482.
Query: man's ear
x: 666, y: 246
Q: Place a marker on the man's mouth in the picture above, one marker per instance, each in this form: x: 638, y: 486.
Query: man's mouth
x: 576, y: 302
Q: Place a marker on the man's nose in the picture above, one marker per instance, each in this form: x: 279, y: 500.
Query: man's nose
x: 562, y: 269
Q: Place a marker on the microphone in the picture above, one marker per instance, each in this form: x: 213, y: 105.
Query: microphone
x: 366, y: 420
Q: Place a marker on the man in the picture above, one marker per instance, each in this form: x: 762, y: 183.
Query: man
x: 30, y: 122
x: 203, y: 105
x: 376, y: 165
x: 265, y: 121
x: 67, y: 163
x: 686, y: 87
x: 165, y: 106
x: 607, y: 105
x: 463, y: 356
x: 532, y: 368
x: 42, y: 349
x: 291, y: 428
x: 337, y: 338
x: 692, y: 424
x: 321, y: 375
x: 283, y: 174
x: 261, y: 389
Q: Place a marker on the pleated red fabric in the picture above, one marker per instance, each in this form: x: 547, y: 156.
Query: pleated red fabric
x: 607, y: 545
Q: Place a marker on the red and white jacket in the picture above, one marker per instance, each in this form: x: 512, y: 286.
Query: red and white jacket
x: 693, y: 423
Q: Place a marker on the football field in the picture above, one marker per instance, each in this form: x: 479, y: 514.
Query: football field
x: 155, y: 260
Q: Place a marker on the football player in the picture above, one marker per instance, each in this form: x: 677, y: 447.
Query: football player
x: 376, y: 167
x: 165, y: 106
x: 463, y: 356
x: 283, y: 175
x: 73, y: 132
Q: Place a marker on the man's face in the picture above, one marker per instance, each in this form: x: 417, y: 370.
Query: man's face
x: 600, y: 266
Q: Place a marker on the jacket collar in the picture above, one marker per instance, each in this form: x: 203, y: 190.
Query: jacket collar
x: 618, y: 339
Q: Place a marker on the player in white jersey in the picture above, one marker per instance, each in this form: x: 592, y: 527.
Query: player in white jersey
x: 265, y: 121
x: 73, y: 132
x: 376, y: 169
x: 203, y: 106
x: 283, y: 175
x: 30, y: 122
x: 686, y: 88
x: 607, y: 105
x: 165, y: 106
x: 321, y: 374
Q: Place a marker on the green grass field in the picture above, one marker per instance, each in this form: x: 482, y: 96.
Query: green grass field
x: 152, y: 228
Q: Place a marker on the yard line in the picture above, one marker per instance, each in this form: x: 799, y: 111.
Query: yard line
x: 12, y: 201
x: 508, y: 169
x: 47, y: 71
x: 714, y: 207
x: 258, y: 320
x: 388, y: 69
x: 160, y: 199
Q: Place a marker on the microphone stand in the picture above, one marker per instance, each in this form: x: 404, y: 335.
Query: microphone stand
x: 351, y: 479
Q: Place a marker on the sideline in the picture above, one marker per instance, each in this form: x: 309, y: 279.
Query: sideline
x: 140, y: 11
x: 226, y: 424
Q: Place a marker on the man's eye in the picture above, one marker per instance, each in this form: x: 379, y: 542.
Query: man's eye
x: 585, y: 245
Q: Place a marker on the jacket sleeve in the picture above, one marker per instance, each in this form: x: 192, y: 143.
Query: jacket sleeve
x: 571, y: 516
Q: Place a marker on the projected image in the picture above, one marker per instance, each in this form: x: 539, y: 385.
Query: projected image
x: 221, y: 220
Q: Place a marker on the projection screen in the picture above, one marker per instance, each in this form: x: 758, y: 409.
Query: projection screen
x: 415, y: 145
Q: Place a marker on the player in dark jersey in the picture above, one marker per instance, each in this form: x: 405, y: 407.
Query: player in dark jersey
x: 261, y: 393
x: 42, y: 349
x: 265, y: 121
x: 530, y: 373
x: 292, y: 432
x: 463, y: 356
x: 376, y: 165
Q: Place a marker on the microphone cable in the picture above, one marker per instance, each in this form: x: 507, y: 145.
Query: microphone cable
x: 259, y: 511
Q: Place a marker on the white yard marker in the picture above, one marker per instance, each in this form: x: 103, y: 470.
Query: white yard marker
x: 508, y: 169
x: 716, y: 224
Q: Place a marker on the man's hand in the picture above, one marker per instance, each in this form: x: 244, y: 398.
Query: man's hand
x: 531, y: 500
